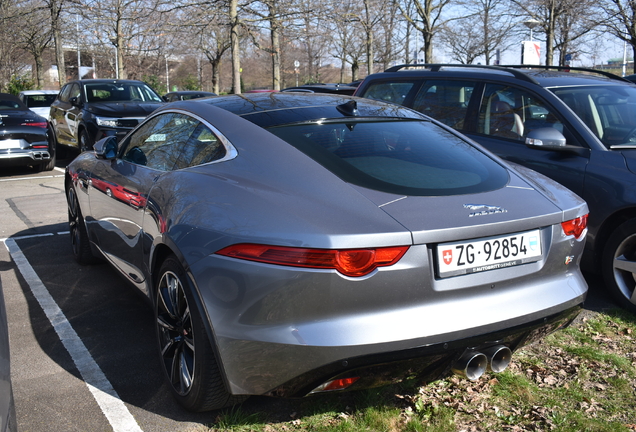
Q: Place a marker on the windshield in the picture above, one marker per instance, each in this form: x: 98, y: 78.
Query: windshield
x: 40, y: 101
x: 120, y: 92
x: 609, y: 111
x: 397, y: 156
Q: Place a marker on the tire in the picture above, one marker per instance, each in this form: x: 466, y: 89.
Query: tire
x: 188, y: 359
x: 48, y: 166
x: 79, y: 236
x: 619, y: 265
x: 85, y: 143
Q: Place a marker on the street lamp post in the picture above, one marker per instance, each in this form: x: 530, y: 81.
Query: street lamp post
x: 531, y: 24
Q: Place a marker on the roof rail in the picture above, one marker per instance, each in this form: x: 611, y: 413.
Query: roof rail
x: 570, y: 68
x: 434, y: 67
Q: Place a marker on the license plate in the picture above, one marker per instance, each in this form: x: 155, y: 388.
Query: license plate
x: 9, y: 144
x: 490, y: 253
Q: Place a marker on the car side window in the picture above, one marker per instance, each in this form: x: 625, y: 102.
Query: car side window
x: 202, y: 147
x: 446, y: 101
x: 395, y: 92
x: 509, y: 112
x: 159, y: 143
x: 75, y: 91
x: 65, y: 93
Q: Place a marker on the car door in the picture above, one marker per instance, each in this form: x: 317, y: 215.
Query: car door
x: 500, y: 120
x: 121, y: 195
x: 64, y: 114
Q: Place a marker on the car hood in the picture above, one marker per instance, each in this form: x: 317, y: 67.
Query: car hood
x: 123, y: 109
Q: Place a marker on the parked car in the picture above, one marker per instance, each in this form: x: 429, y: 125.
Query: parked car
x: 575, y: 126
x: 39, y: 101
x: 86, y: 111
x: 335, y: 88
x: 186, y: 95
x: 631, y: 78
x: 294, y: 244
x: 24, y: 138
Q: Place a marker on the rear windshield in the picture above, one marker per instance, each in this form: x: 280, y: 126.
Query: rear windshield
x: 120, y: 92
x: 397, y: 156
x: 40, y: 101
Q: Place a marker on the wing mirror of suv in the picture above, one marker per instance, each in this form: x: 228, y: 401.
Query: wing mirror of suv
x: 75, y: 101
x: 551, y: 139
x: 106, y: 148
x: 547, y: 138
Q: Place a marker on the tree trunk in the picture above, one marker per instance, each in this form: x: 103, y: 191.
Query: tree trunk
x: 428, y: 46
x: 216, y: 75
x: 276, y: 76
x: 38, y: 71
x: 121, y: 67
x: 57, y: 37
x: 235, y: 48
x: 369, y: 38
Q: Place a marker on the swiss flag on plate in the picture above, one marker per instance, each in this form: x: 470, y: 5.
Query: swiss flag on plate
x: 447, y: 255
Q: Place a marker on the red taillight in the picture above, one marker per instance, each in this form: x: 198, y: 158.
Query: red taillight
x: 36, y: 124
x: 350, y: 262
x: 337, y: 384
x: 575, y: 227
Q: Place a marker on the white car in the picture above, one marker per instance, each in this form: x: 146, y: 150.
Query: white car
x: 39, y: 101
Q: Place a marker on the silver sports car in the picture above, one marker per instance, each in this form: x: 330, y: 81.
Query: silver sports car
x: 292, y: 244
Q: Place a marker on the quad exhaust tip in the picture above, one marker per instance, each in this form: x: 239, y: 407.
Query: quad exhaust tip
x: 473, y: 364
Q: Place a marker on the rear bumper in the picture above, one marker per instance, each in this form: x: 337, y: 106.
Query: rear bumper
x: 427, y: 363
x: 19, y: 157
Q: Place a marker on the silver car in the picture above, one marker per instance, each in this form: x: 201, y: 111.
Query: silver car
x: 293, y: 244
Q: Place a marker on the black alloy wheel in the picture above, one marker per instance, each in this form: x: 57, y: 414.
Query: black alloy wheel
x: 619, y: 265
x: 188, y: 359
x: 85, y: 143
x: 79, y: 237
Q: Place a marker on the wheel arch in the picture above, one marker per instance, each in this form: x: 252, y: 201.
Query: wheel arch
x: 161, y: 253
x: 609, y: 225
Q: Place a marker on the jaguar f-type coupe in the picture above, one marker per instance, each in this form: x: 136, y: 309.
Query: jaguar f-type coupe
x: 293, y: 244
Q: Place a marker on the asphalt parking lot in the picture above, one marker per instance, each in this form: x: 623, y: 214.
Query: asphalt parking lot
x: 82, y: 341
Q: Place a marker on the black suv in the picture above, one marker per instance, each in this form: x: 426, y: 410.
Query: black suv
x: 86, y: 111
x: 576, y: 126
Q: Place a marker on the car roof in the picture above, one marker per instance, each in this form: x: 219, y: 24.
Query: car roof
x: 13, y: 98
x: 187, y: 92
x: 270, y: 109
x: 544, y: 76
x: 105, y: 81
x: 38, y: 92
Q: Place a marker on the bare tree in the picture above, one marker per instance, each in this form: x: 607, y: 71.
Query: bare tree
x: 390, y: 37
x: 12, y: 63
x: 574, y: 27
x: 427, y: 18
x: 558, y: 18
x: 620, y: 20
x: 485, y: 28
x: 465, y: 40
x: 347, y: 43
x: 34, y: 34
x: 126, y: 25
x: 55, y: 8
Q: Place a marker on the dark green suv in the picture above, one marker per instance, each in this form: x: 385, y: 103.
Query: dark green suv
x: 576, y: 126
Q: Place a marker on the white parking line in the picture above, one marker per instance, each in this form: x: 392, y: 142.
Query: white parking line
x: 31, y: 178
x: 107, y: 398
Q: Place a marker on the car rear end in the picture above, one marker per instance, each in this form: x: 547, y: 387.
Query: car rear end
x: 489, y: 259
x: 23, y: 139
